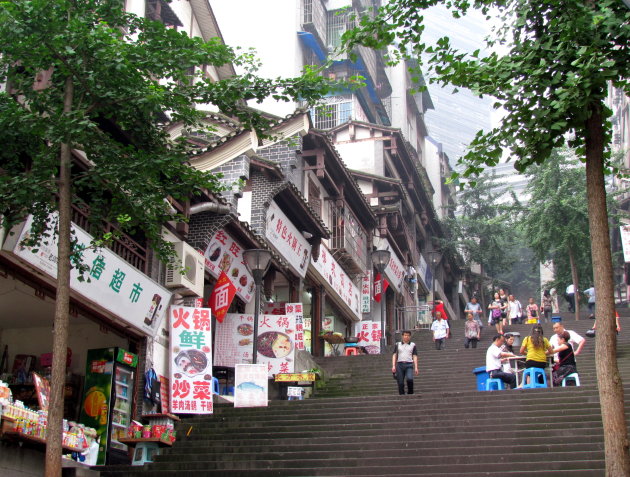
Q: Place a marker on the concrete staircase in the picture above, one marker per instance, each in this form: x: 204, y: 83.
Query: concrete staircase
x: 358, y: 425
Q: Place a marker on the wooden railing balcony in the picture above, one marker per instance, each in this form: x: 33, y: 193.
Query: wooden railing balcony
x: 125, y: 247
x: 348, y: 240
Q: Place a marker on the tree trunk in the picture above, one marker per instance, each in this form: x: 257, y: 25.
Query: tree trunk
x: 54, y: 431
x: 574, y: 280
x: 611, y: 394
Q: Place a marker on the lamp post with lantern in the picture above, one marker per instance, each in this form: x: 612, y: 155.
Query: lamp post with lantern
x: 380, y: 260
x: 257, y: 261
x: 435, y: 256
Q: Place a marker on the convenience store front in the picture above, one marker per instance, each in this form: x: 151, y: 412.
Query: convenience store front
x: 112, y: 318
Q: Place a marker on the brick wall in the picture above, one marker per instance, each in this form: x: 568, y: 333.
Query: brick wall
x: 284, y: 154
x: 233, y: 171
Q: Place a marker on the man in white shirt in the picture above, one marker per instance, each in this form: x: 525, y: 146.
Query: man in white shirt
x: 440, y: 330
x: 493, y: 362
x: 405, y: 363
x: 576, y: 341
x: 570, y: 296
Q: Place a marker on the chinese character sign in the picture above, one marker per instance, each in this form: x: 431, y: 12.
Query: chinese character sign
x: 337, y: 279
x: 366, y: 283
x: 369, y: 334
x: 190, y: 360
x: 394, y: 270
x: 110, y: 282
x: 296, y: 310
x: 287, y: 239
x: 222, y: 296
x: 250, y: 385
x: 223, y: 254
x: 234, y: 341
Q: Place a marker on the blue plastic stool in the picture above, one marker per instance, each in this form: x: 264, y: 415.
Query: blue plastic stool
x: 228, y: 390
x: 571, y: 377
x: 144, y: 452
x: 537, y: 378
x: 215, y: 386
x: 494, y: 384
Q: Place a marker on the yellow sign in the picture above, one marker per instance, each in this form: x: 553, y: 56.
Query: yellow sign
x: 290, y: 377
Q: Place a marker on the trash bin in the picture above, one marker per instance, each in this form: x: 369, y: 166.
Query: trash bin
x: 556, y: 319
x: 517, y: 339
x: 482, y: 377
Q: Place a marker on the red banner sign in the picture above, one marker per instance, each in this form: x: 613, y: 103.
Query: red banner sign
x: 222, y: 296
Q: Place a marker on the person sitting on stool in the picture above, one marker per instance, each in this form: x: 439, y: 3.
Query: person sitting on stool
x: 493, y: 361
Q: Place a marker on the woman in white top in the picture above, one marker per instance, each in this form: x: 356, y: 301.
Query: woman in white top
x: 514, y: 311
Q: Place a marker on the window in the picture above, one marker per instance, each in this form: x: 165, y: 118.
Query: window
x: 336, y: 111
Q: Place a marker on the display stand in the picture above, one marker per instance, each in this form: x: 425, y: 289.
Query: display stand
x: 145, y: 448
x: 334, y: 341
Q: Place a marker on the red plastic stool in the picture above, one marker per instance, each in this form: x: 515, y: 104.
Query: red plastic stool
x: 349, y: 351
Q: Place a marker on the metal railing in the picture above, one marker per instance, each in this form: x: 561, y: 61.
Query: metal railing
x: 413, y: 317
x: 314, y: 18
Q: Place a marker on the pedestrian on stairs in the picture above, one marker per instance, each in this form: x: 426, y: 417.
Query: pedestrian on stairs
x: 440, y: 331
x: 475, y: 308
x: 405, y: 363
x: 472, y: 331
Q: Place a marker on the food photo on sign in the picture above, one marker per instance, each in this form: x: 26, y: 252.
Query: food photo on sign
x: 234, y: 341
x: 191, y: 360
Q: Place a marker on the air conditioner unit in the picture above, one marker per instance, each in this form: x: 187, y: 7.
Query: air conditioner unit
x: 191, y: 282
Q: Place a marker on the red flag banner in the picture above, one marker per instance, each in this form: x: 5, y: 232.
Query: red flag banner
x: 222, y: 296
x: 380, y: 286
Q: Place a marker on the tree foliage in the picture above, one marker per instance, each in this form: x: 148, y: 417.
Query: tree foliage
x: 482, y: 227
x: 556, y: 217
x: 130, y: 75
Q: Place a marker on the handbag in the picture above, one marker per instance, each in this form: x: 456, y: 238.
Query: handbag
x: 496, y: 313
x: 556, y: 366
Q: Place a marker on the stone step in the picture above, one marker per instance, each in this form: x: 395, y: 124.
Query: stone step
x: 384, y: 465
x: 432, y: 446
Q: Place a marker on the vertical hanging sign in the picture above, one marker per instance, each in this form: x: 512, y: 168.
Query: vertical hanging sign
x: 190, y: 360
x: 366, y: 285
x: 296, y: 310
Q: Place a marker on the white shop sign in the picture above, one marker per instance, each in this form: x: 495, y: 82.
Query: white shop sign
x: 422, y: 272
x: 113, y: 283
x: 338, y: 280
x: 287, y: 239
x: 394, y: 270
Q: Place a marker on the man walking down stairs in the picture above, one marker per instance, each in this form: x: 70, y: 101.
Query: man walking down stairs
x: 358, y: 425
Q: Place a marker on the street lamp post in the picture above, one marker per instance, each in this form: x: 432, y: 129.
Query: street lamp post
x: 257, y: 261
x: 435, y: 256
x: 380, y: 259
